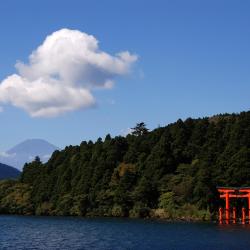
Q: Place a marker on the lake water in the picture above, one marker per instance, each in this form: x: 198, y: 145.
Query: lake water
x: 21, y: 232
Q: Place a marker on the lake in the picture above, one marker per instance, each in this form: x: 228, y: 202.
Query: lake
x: 23, y: 232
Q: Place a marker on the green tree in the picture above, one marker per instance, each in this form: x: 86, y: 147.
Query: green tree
x: 139, y: 129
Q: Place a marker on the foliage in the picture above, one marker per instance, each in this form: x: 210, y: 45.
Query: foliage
x: 139, y: 129
x: 172, y: 170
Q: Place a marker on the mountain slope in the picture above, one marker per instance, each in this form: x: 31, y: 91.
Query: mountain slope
x: 26, y: 151
x: 7, y: 172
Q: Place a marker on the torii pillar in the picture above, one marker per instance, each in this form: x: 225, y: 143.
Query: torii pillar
x: 227, y: 208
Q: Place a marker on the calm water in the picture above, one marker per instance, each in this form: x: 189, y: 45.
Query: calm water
x: 20, y: 232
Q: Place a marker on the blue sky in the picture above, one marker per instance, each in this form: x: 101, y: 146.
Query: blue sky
x: 193, y: 61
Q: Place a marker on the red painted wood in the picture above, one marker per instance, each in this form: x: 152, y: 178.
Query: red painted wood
x: 229, y: 193
x: 220, y: 215
x: 227, y: 208
x: 243, y: 215
x: 234, y: 215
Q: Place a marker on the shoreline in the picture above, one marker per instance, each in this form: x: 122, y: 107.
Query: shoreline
x: 174, y: 220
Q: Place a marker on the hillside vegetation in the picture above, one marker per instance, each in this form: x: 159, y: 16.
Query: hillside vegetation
x: 170, y: 172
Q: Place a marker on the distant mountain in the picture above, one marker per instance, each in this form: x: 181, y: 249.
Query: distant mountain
x: 7, y: 172
x: 26, y: 151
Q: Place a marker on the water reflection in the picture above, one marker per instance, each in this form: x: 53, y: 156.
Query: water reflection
x: 20, y: 232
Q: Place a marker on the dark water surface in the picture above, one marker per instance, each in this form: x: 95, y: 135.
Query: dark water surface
x: 20, y: 232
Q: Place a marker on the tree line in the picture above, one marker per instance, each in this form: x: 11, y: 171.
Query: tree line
x: 169, y: 172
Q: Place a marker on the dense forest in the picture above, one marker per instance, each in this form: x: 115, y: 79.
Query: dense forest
x: 170, y: 172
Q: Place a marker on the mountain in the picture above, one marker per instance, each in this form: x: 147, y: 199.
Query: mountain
x: 7, y: 172
x: 26, y: 151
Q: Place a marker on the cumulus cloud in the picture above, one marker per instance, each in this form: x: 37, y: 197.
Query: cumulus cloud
x: 62, y: 73
x: 6, y: 155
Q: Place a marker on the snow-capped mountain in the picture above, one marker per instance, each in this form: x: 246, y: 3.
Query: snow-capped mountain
x: 26, y: 151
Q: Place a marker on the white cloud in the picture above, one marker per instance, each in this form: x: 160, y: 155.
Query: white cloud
x: 62, y: 73
x: 125, y: 132
x: 6, y: 155
x: 31, y: 158
x: 46, y: 157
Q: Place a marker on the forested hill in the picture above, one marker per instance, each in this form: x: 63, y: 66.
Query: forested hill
x: 169, y: 172
x: 8, y: 172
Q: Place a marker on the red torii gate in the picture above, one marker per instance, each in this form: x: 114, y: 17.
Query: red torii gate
x: 234, y: 192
